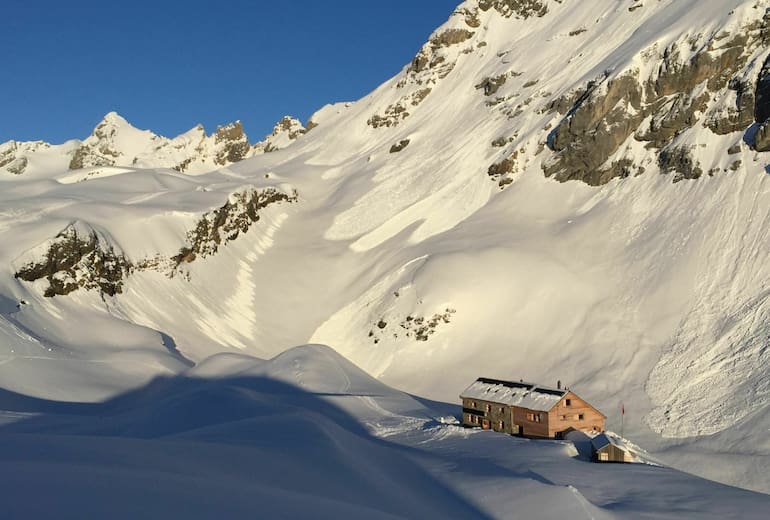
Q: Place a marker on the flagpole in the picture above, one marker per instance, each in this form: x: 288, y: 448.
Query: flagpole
x: 622, y: 418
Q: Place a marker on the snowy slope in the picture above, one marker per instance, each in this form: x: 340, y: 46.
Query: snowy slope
x: 551, y: 191
x: 308, y: 433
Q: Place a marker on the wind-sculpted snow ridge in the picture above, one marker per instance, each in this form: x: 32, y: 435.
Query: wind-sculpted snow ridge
x: 550, y: 190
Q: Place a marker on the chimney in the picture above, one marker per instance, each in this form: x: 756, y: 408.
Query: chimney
x: 558, y: 384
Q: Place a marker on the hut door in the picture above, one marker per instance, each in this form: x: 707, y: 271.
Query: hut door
x: 485, y: 424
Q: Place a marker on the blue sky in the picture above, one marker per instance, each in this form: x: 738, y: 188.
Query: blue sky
x: 167, y: 65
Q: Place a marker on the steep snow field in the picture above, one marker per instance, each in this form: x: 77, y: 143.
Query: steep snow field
x: 308, y: 433
x: 415, y: 231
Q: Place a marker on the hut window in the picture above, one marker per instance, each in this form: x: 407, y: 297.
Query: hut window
x: 580, y: 417
x: 488, y: 408
x: 501, y: 425
x: 568, y: 402
x: 604, y: 456
x: 473, y: 404
x: 502, y: 410
x: 563, y: 417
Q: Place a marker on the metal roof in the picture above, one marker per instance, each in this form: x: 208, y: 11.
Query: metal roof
x: 524, y: 395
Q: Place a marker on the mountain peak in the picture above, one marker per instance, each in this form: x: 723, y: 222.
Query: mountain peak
x: 114, y: 118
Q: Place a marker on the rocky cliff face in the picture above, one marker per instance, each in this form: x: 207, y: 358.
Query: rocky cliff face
x: 703, y: 80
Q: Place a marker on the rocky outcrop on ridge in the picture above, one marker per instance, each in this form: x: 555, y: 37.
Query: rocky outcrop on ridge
x: 519, y: 8
x: 218, y: 227
x: 231, y: 143
x: 100, y: 148
x: 285, y: 131
x: 78, y: 257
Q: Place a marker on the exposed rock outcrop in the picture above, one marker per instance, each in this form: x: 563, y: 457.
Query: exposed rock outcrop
x: 285, y: 131
x: 430, y: 56
x: 602, y: 118
x: 100, y: 149
x: 78, y: 258
x: 398, y: 111
x: 217, y: 228
x: 678, y: 160
x: 500, y: 171
x: 14, y: 155
x: 434, y: 61
x: 231, y: 143
x: 655, y: 110
x: 762, y: 138
x: 520, y: 8
x: 738, y: 111
x: 10, y: 161
x: 420, y: 328
x: 762, y: 109
x: 403, y: 143
x: 762, y: 103
x: 491, y: 85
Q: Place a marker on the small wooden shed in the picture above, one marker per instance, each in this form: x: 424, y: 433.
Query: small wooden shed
x: 606, y: 448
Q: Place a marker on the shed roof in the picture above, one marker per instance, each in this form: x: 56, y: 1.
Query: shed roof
x: 525, y: 395
x: 603, y: 440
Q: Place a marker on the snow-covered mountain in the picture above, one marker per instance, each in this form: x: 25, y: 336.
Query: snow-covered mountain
x: 115, y: 143
x: 572, y: 190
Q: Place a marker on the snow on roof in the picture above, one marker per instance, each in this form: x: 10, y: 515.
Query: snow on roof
x: 604, y: 439
x: 525, y: 395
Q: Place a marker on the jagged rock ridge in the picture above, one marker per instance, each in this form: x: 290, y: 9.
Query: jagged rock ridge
x: 114, y: 142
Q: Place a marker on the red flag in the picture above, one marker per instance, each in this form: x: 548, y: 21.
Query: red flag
x: 622, y: 409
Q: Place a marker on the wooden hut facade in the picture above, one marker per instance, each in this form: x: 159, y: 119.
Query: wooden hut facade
x: 527, y: 409
x: 606, y: 448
